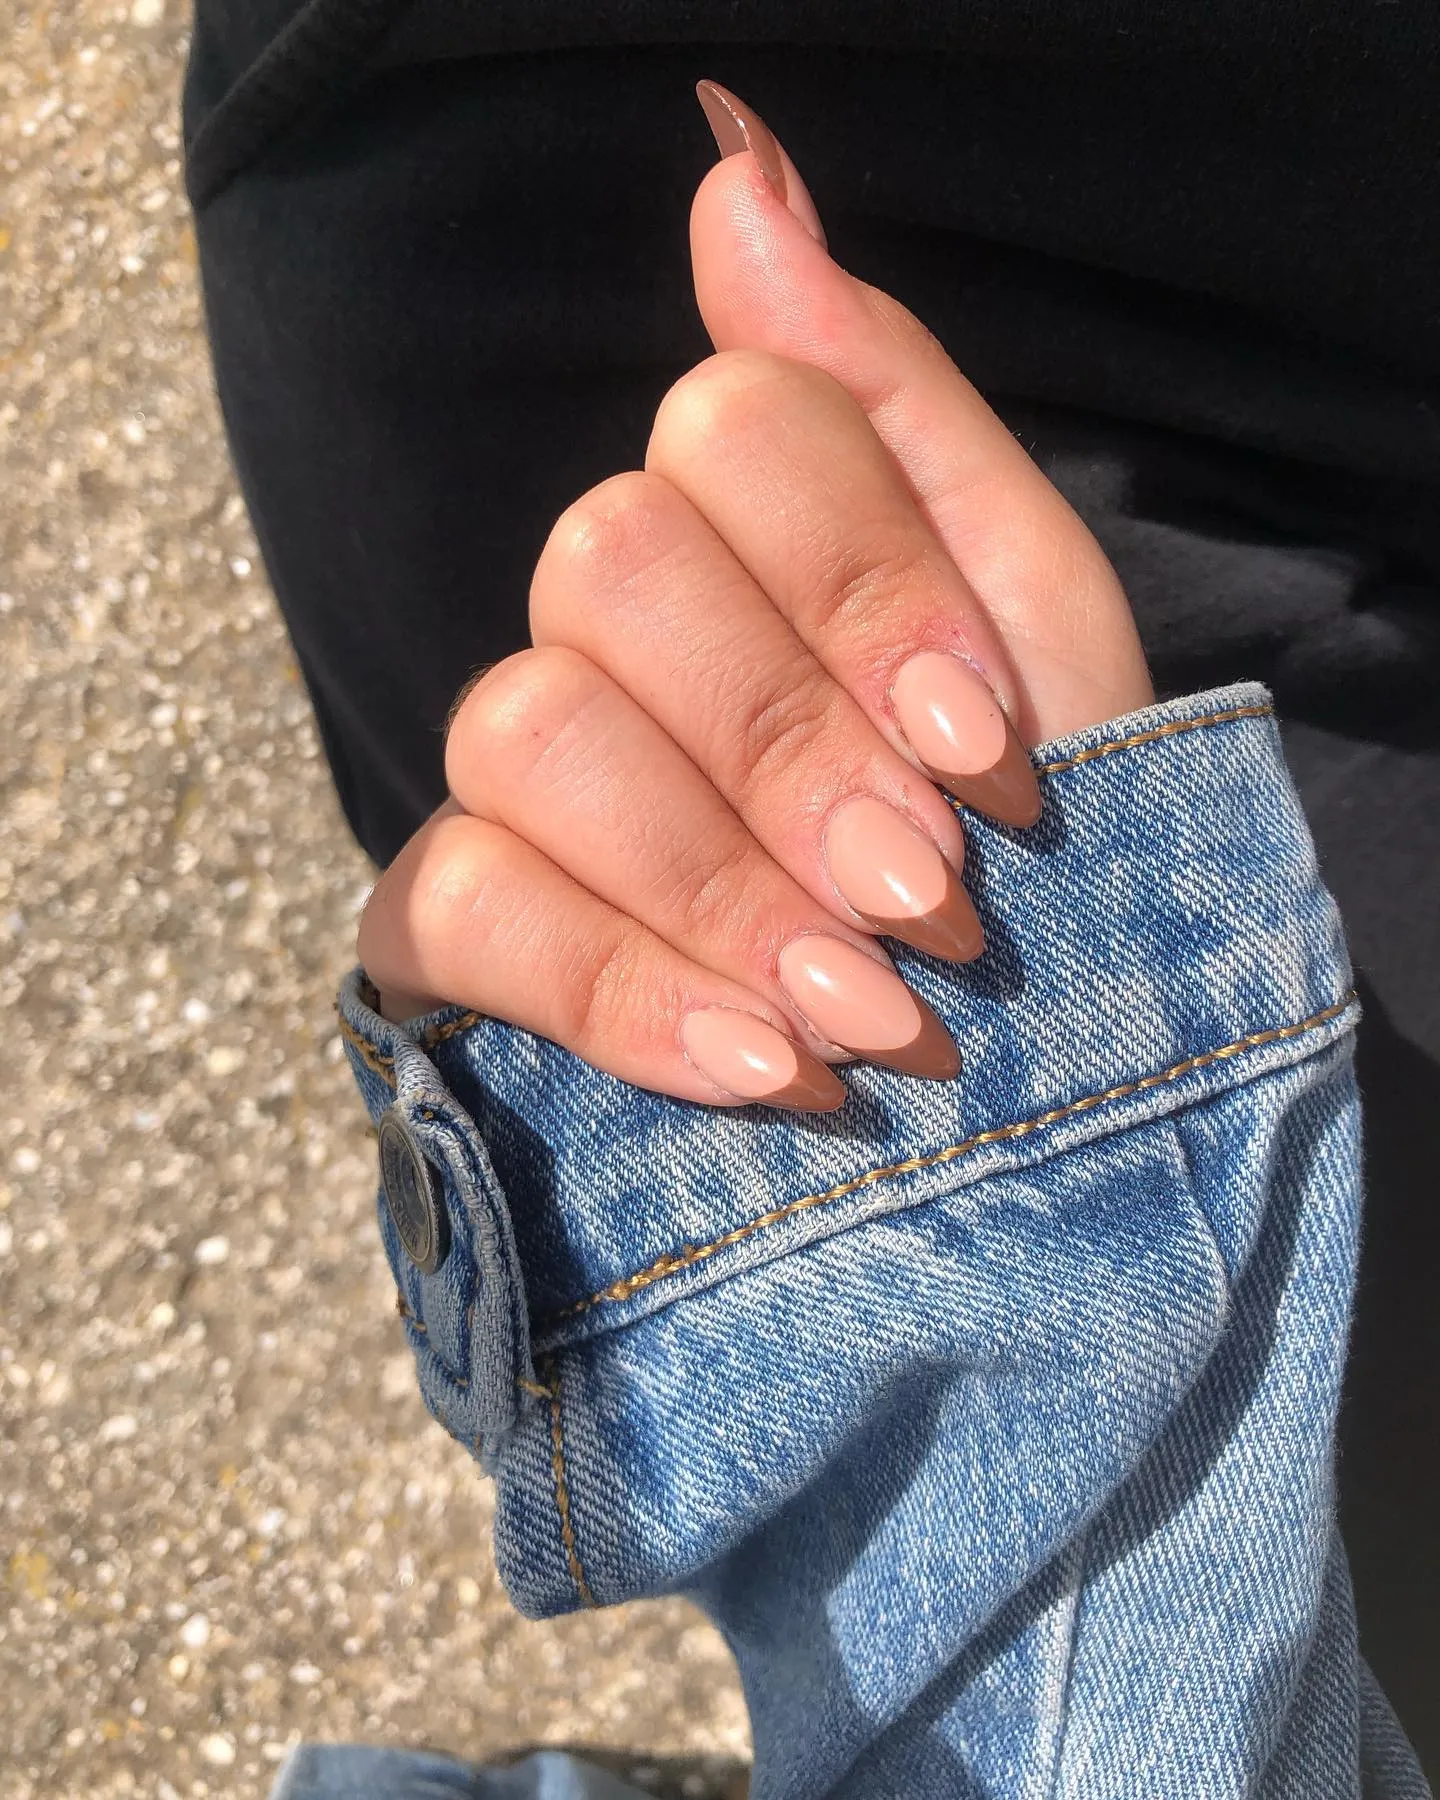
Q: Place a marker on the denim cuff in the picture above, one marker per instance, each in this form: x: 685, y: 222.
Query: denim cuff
x: 1161, y: 935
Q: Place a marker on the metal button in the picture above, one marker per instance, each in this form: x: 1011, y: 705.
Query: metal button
x: 414, y: 1194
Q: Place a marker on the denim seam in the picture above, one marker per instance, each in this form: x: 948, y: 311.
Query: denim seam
x: 551, y: 1369
x: 675, y: 1262
x: 375, y: 1060
x: 412, y: 1318
x: 381, y: 1063
x: 1172, y: 729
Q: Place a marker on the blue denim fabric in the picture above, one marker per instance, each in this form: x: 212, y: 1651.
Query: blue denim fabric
x: 356, y: 1772
x: 992, y: 1420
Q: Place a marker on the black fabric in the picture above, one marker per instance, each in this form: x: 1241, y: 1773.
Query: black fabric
x: 1191, y: 253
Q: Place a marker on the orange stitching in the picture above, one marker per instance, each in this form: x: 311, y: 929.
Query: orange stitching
x: 437, y: 1034
x: 1159, y: 731
x: 532, y: 1387
x: 562, y: 1493
x: 376, y: 1060
x: 383, y: 1063
x: 677, y: 1261
x: 402, y: 1306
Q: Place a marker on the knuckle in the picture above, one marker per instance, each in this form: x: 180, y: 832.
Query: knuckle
x: 595, y: 986
x: 860, y: 576
x: 516, y: 710
x: 778, y: 729
x: 452, y: 881
x: 709, y: 899
x: 724, y: 396
x: 605, y: 536
x: 434, y: 889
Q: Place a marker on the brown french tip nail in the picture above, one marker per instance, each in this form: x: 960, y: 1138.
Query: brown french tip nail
x: 854, y: 1000
x: 739, y: 127
x: 931, y: 1054
x: 957, y: 728
x: 750, y: 1060
x: 897, y: 880
x: 1008, y: 792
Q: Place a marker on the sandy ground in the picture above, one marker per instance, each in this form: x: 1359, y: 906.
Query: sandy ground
x: 225, y: 1520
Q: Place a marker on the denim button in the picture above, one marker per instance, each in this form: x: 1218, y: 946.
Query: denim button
x: 414, y: 1194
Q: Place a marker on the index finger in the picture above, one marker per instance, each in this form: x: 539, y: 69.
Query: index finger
x: 789, y: 471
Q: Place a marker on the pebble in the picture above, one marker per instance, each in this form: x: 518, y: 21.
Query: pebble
x: 234, y: 1436
x: 218, y: 1750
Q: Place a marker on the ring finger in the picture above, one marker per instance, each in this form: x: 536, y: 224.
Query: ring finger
x: 549, y: 746
x: 470, y: 911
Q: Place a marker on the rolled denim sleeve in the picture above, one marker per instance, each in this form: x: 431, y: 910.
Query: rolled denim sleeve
x: 993, y: 1420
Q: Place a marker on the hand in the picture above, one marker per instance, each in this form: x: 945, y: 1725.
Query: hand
x: 679, y: 823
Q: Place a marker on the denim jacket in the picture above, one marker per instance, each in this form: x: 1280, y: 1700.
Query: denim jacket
x: 992, y: 1421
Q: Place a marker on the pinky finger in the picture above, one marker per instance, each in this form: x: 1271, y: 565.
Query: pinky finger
x: 472, y: 915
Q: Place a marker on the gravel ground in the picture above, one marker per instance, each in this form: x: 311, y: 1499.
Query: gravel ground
x: 225, y: 1521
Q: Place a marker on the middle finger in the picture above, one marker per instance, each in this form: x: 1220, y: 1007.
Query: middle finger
x: 639, y: 583
x: 790, y: 472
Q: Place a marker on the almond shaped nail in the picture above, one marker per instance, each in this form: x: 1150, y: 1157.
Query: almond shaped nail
x: 751, y: 1060
x: 958, y: 729
x: 854, y: 1000
x: 899, y: 881
x: 739, y: 127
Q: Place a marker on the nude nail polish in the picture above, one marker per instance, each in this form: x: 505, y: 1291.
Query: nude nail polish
x: 896, y: 878
x: 739, y: 127
x: 956, y: 726
x: 853, y: 1000
x: 751, y: 1060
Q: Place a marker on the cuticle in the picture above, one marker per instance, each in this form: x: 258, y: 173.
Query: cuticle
x: 868, y: 945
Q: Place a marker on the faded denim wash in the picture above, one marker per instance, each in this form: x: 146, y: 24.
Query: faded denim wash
x: 992, y: 1421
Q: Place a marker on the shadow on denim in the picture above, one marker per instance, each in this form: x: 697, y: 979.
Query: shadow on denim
x: 836, y: 1517
x: 841, y: 1512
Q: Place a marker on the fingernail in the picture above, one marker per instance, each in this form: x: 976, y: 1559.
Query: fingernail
x: 739, y: 127
x: 897, y: 880
x: 853, y: 1000
x: 957, y: 728
x: 746, y: 1057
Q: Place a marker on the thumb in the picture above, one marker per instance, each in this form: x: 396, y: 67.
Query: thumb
x: 764, y: 280
x: 738, y: 128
